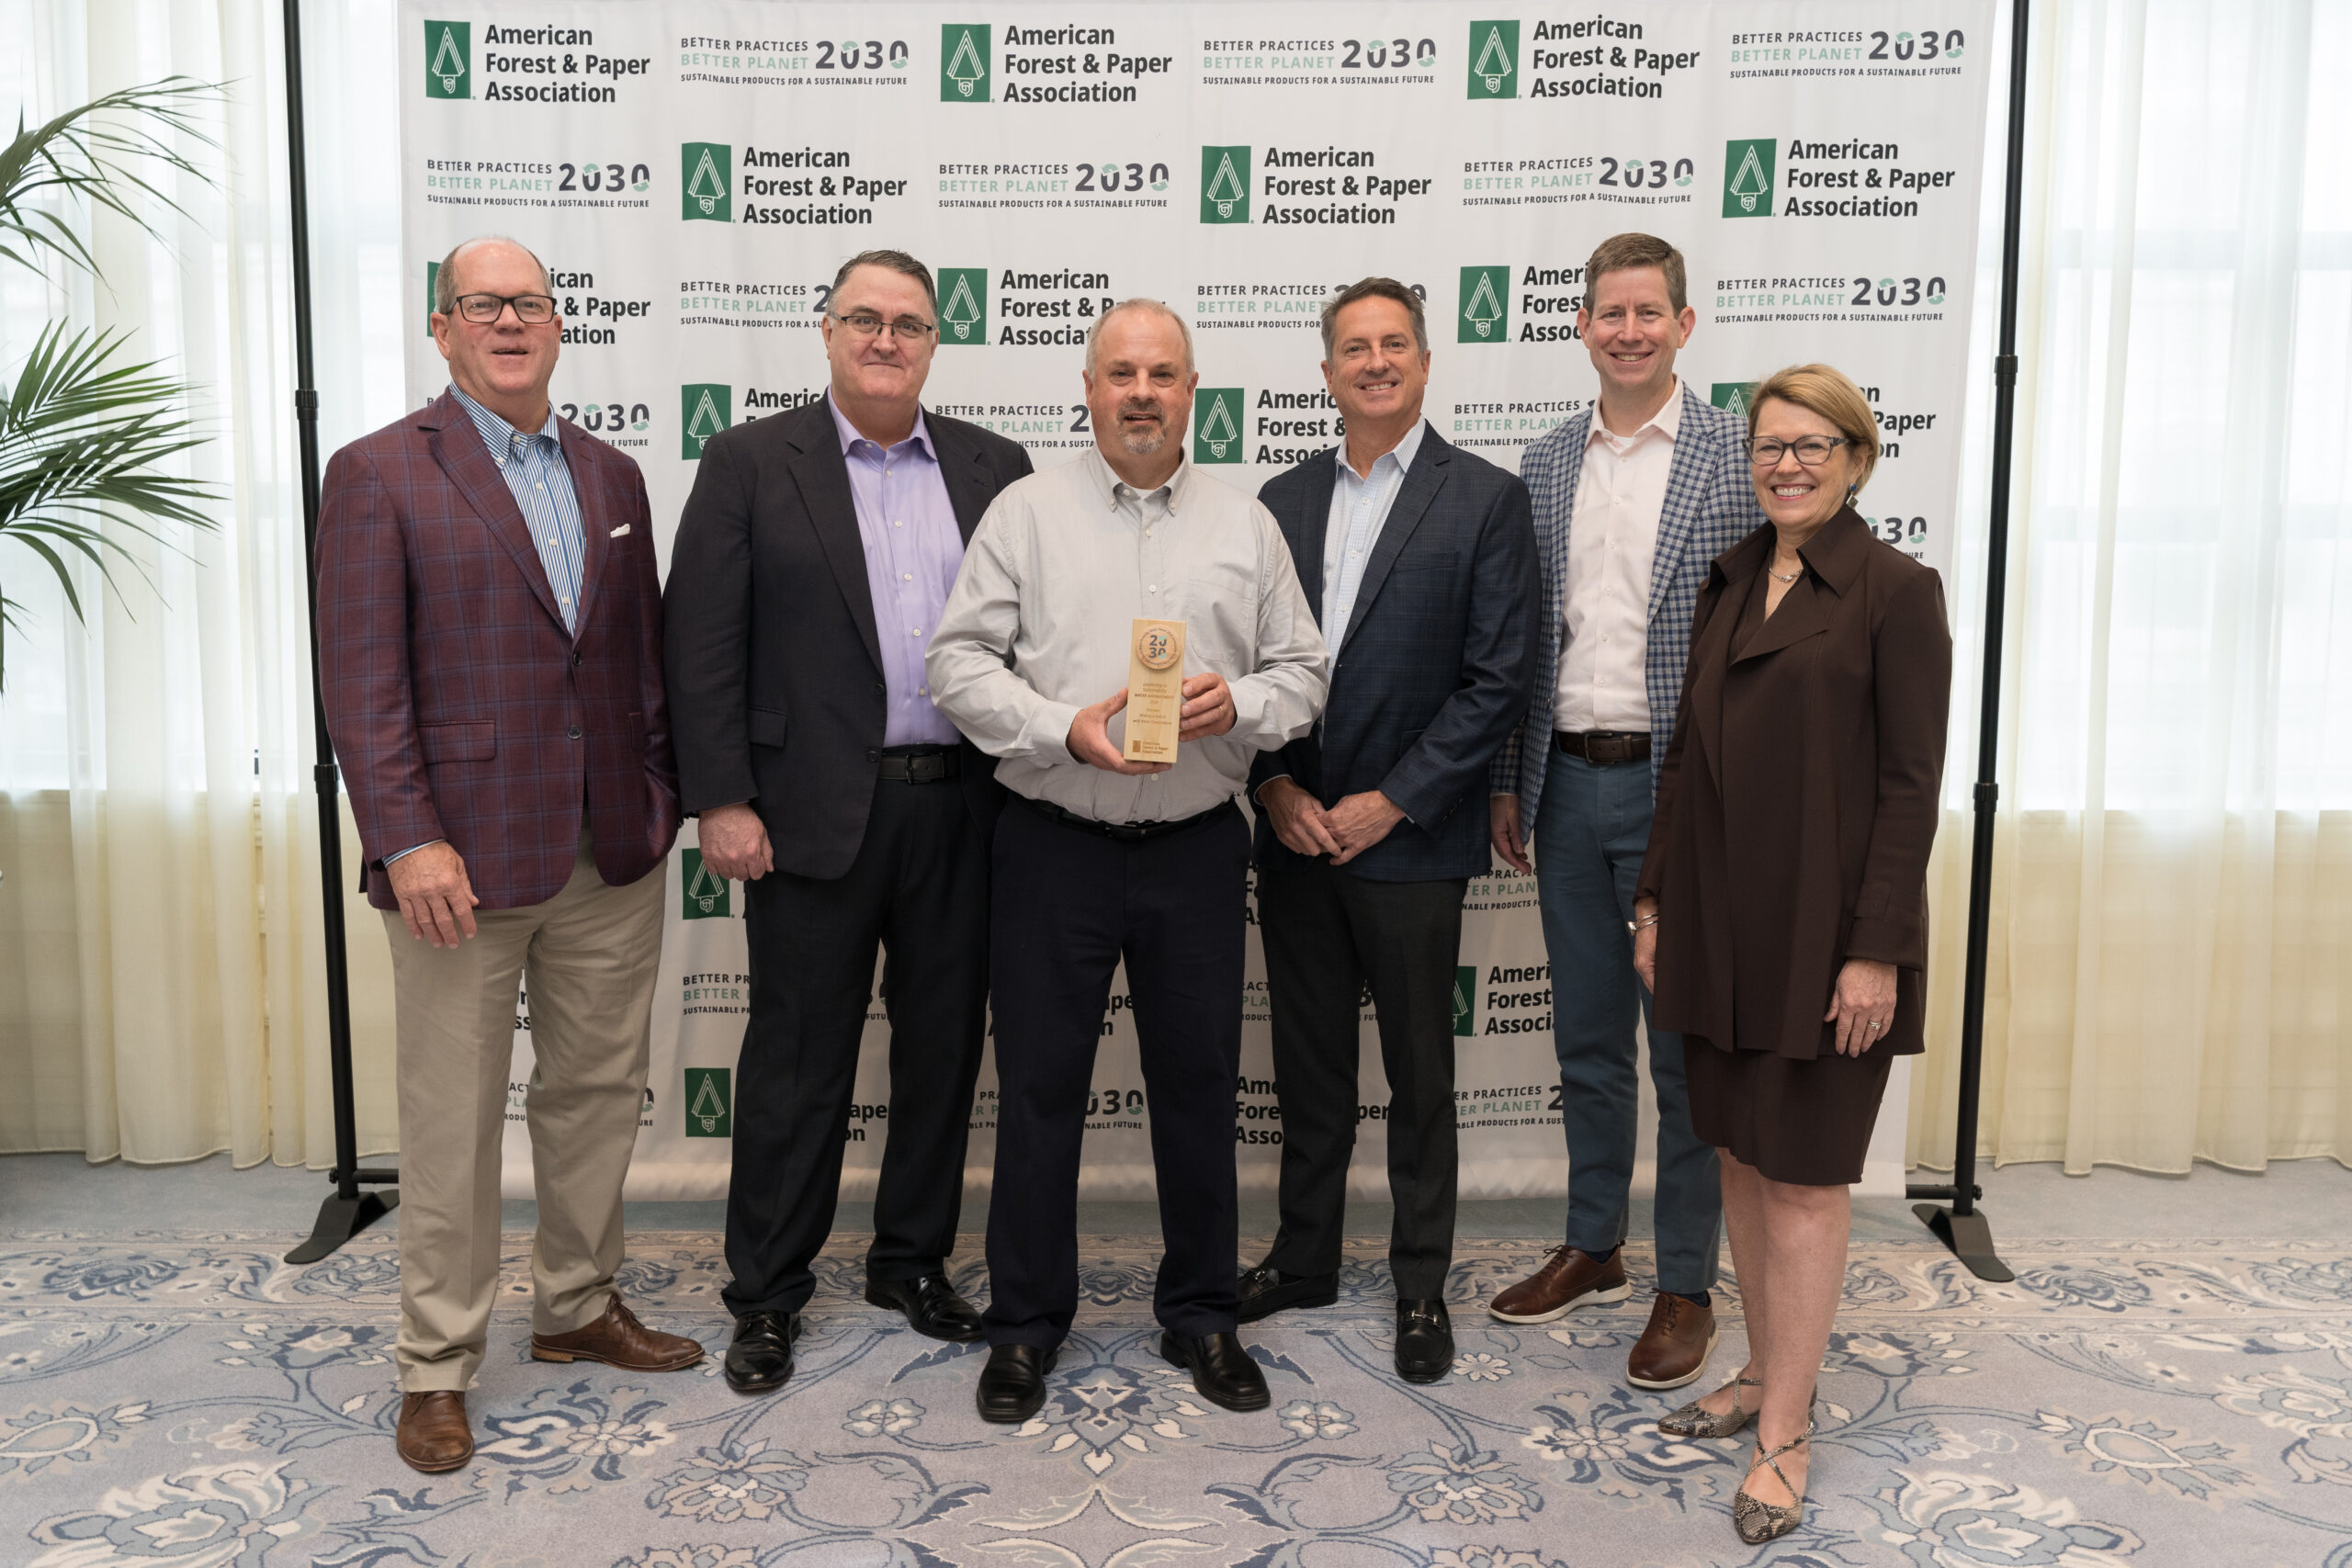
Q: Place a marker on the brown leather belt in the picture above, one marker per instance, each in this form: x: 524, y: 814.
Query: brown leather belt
x: 1603, y: 748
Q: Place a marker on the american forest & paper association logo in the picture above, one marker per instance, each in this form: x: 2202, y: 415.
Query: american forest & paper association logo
x: 1749, y: 166
x: 964, y: 62
x: 1225, y: 185
x: 1485, y: 313
x: 707, y: 171
x: 1494, y: 60
x: 1217, y: 415
x: 448, y: 60
x: 963, y: 306
x: 706, y: 408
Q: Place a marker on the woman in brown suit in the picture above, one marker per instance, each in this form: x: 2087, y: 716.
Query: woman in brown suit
x: 1781, y: 912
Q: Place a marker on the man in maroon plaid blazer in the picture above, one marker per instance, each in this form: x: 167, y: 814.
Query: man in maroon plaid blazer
x: 489, y: 642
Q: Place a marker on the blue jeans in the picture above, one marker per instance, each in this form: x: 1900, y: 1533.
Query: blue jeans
x: 1592, y: 830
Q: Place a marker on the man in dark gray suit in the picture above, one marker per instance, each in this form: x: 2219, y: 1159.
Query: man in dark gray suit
x: 812, y: 560
x: 1421, y: 560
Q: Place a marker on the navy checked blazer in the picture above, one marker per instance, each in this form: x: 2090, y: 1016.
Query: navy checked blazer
x: 1432, y: 673
x: 1710, y: 506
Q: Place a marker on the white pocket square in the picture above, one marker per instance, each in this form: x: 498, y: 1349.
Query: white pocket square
x: 619, y: 531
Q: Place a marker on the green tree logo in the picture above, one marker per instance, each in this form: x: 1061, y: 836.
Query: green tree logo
x: 1485, y: 305
x: 710, y: 1103
x: 1217, y: 424
x: 1748, y: 176
x: 1225, y: 185
x: 705, y: 890
x: 964, y: 62
x: 448, y: 57
x: 1494, y: 60
x: 708, y: 170
x: 432, y: 276
x: 706, y: 408
x: 1732, y: 395
x: 963, y: 306
x: 1466, y: 987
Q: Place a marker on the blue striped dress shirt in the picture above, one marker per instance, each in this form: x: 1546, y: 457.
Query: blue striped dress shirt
x: 534, y: 470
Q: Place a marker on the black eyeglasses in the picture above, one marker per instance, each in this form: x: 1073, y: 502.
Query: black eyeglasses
x: 531, y: 309
x: 864, y: 324
x: 1811, y: 450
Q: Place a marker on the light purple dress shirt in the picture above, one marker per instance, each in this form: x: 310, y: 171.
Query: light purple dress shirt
x: 913, y: 550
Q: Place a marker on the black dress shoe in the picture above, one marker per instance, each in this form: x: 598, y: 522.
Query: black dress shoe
x: 1013, y: 1385
x: 1222, y: 1371
x: 1267, y: 1289
x: 759, y: 1359
x: 1424, y: 1341
x: 930, y: 1304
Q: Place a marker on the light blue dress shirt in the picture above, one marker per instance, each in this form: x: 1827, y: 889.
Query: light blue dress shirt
x: 1360, y: 508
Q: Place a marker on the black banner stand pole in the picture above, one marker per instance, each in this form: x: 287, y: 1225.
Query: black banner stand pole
x: 1961, y: 1226
x: 347, y: 1211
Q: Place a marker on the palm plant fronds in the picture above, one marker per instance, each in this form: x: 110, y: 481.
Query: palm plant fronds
x: 82, y: 439
x: 95, y: 152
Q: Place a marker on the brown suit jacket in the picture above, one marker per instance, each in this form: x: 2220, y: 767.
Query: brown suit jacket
x: 1800, y: 797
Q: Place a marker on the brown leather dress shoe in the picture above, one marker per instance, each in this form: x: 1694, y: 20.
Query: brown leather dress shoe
x: 617, y: 1339
x: 433, y: 1435
x: 1674, y: 1349
x: 1568, y: 1278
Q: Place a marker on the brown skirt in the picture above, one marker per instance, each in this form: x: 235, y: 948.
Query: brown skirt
x: 1804, y: 1121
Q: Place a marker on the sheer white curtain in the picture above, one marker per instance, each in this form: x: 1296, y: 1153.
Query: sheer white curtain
x: 160, y: 965
x: 2170, y: 941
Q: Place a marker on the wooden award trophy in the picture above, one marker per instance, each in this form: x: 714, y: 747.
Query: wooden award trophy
x: 1155, y: 691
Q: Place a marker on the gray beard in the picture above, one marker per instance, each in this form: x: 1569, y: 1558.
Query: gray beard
x: 1143, y: 445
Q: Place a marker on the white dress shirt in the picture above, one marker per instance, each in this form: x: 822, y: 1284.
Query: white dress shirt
x: 1042, y: 619
x: 1613, y: 540
x: 1360, y: 508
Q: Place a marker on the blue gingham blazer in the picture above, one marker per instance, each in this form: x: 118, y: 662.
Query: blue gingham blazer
x: 1710, y: 506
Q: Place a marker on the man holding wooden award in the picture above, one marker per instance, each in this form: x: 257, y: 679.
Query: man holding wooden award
x: 1127, y: 635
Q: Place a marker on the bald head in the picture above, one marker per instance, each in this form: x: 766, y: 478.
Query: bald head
x: 479, y: 248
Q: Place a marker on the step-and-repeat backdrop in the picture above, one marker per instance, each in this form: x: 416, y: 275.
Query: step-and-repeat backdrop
x: 693, y: 173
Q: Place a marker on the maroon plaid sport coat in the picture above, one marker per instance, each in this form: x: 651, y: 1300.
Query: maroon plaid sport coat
x: 459, y: 706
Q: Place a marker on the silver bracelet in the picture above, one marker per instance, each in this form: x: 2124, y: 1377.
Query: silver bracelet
x: 1641, y: 925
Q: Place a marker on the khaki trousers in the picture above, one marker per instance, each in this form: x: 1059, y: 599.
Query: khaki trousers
x: 592, y: 952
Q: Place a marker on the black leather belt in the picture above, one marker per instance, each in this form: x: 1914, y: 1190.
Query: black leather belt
x: 919, y: 765
x: 1603, y: 748
x: 1125, y: 832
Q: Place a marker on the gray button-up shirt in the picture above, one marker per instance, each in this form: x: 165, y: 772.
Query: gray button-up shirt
x: 1043, y: 613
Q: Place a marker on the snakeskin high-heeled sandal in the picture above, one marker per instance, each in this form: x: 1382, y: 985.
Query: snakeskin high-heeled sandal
x: 1695, y: 1420
x: 1758, y: 1521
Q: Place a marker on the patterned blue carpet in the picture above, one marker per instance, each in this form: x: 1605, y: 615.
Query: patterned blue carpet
x: 189, y: 1400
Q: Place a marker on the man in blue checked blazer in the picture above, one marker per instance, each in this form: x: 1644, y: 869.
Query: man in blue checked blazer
x: 1631, y: 502
x: 1421, y: 564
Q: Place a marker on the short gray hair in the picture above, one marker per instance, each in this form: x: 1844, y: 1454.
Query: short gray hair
x: 444, y: 282
x: 1139, y: 303
x: 899, y: 261
x: 1375, y: 289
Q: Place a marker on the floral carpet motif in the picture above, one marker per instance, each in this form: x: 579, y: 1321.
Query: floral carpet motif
x: 190, y: 1401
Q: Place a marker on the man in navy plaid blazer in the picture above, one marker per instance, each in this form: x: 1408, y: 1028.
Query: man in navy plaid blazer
x: 489, y: 652
x: 1422, y: 565
x: 1632, y: 502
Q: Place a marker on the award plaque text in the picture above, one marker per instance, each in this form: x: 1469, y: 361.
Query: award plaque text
x: 1155, y: 691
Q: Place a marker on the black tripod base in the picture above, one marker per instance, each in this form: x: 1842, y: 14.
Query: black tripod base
x: 1969, y: 1238
x: 342, y: 1218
